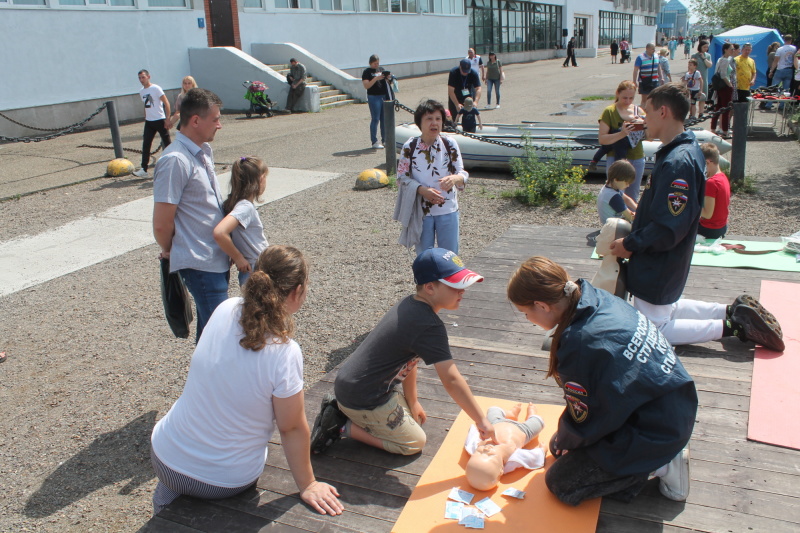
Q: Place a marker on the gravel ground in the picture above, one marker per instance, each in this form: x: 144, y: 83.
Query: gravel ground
x: 92, y: 365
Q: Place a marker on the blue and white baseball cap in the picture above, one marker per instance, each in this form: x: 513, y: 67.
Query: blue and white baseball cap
x: 438, y: 264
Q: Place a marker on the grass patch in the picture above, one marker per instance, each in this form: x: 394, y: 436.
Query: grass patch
x: 392, y: 181
x: 746, y: 186
x: 594, y: 97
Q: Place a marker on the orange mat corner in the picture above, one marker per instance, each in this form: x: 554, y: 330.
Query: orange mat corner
x: 539, y: 511
x: 773, y: 392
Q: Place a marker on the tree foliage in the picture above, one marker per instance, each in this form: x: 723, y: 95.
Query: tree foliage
x: 783, y: 15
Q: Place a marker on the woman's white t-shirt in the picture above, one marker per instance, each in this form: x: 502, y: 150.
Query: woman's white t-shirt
x: 218, y: 430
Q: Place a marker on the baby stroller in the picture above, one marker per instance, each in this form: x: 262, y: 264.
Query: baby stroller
x: 625, y: 55
x: 256, y: 94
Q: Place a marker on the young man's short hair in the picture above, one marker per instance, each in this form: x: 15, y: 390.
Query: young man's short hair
x: 710, y: 152
x: 197, y: 102
x: 143, y: 71
x: 674, y: 96
x: 621, y: 170
x: 693, y: 62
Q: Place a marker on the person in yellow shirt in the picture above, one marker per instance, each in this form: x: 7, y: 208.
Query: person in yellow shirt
x: 745, y: 73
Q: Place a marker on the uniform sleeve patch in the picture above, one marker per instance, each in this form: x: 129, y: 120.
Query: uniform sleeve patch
x: 680, y: 184
x: 574, y: 388
x: 676, y: 203
x: 577, y: 409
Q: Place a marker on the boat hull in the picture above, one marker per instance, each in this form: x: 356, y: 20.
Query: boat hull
x: 479, y: 154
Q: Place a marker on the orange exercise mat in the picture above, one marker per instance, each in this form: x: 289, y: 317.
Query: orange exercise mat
x: 539, y: 511
x: 774, y: 393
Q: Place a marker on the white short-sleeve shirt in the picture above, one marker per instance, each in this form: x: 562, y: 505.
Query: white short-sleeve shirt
x: 153, y: 106
x: 218, y: 430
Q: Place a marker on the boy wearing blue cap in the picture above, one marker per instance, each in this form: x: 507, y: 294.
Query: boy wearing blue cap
x: 367, y: 406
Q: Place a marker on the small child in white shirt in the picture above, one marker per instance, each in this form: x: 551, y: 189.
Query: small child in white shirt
x: 693, y: 81
x: 612, y: 201
x: 488, y: 462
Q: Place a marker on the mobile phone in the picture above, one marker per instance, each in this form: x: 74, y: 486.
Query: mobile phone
x: 637, y: 126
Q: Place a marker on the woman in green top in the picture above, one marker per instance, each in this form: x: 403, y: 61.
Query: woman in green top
x: 493, y: 77
x: 624, y: 119
x: 703, y: 59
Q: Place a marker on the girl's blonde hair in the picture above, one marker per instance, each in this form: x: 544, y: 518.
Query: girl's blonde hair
x: 541, y: 280
x: 663, y: 52
x: 191, y: 79
x: 245, y: 181
x: 624, y: 85
x: 279, y: 270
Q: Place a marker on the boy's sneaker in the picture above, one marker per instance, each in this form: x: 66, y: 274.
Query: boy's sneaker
x: 750, y: 325
x: 141, y: 173
x: 328, y: 425
x: 675, y: 483
x: 749, y: 301
x: 377, y: 146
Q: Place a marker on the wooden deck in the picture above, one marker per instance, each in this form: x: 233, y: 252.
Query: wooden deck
x: 737, y: 485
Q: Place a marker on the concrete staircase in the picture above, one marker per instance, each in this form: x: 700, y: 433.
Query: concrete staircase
x: 329, y: 96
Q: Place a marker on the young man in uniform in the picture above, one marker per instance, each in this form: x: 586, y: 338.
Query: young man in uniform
x: 156, y: 111
x: 662, y: 238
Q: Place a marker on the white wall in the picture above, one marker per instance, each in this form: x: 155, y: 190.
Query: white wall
x: 347, y: 40
x: 53, y: 56
x: 643, y: 35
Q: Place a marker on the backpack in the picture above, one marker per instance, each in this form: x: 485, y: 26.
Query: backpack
x: 452, y: 153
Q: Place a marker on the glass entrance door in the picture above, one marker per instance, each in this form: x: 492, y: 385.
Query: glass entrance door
x: 579, y: 31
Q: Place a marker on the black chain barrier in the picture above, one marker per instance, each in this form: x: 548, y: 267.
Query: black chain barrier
x: 59, y: 132
x: 553, y: 147
x: 134, y: 150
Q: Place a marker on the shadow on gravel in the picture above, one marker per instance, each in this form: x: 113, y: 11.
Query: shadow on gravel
x: 113, y: 457
x: 337, y: 356
x: 141, y: 183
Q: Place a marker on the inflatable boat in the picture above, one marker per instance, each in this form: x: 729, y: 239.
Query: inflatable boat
x: 477, y: 152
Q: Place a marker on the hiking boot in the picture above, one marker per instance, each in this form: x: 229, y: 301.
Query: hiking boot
x: 746, y: 299
x: 675, y: 483
x: 328, y: 425
x: 750, y: 325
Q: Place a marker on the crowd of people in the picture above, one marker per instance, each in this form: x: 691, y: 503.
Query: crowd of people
x: 246, y: 373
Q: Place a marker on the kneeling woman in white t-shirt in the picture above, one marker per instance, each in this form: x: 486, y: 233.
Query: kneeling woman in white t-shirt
x: 245, y: 378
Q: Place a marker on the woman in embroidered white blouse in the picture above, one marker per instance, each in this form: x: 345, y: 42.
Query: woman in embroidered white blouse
x: 433, y: 164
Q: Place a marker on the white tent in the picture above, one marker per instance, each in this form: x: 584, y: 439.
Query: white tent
x: 757, y: 36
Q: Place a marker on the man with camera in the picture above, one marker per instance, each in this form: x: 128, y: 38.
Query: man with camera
x: 647, y: 72
x: 378, y: 83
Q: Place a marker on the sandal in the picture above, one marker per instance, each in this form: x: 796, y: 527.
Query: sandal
x: 3, y: 357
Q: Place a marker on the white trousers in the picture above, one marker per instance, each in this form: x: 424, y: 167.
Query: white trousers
x: 685, y: 321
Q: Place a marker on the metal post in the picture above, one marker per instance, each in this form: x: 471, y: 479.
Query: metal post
x: 113, y: 123
x: 389, y: 142
x: 739, y: 141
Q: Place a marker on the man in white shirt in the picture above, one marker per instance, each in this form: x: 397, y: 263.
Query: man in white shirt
x: 156, y: 111
x: 783, y: 65
x: 477, y: 64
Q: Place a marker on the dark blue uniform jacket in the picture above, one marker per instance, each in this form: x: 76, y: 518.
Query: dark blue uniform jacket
x: 663, y: 234
x: 630, y: 402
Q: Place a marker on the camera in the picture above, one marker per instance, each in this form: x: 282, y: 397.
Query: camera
x: 387, y: 73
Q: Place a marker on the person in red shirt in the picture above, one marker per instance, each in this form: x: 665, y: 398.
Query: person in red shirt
x: 714, y: 215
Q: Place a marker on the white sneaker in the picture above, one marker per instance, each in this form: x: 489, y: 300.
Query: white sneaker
x: 497, y: 106
x: 377, y: 145
x: 675, y: 483
x: 489, y: 106
x: 141, y: 173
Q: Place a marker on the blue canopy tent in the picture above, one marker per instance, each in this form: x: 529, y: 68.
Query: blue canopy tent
x: 759, y: 37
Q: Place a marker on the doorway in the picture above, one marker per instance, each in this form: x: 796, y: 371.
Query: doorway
x: 222, y: 19
x: 579, y: 31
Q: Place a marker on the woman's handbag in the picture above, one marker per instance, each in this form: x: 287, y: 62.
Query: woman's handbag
x: 177, y: 304
x: 717, y: 82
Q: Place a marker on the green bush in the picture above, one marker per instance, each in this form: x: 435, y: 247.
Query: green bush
x: 551, y: 180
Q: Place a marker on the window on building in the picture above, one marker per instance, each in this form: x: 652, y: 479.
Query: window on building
x: 166, y: 3
x: 614, y: 26
x: 253, y: 3
x: 512, y: 26
x: 294, y: 4
x: 29, y: 2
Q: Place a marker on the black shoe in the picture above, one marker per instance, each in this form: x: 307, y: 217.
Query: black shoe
x: 749, y: 301
x: 592, y: 166
x: 750, y: 325
x: 328, y: 425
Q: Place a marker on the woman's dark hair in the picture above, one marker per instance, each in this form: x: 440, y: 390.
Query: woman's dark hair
x: 197, y: 102
x: 726, y: 47
x: 541, y: 280
x: 245, y: 181
x: 492, y: 54
x: 373, y: 58
x: 428, y: 106
x: 279, y: 270
x: 700, y: 45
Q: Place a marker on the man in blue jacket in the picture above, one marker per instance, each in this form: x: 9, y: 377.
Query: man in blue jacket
x: 662, y: 238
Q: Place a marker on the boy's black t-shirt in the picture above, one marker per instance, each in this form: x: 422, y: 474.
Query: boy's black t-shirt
x: 469, y: 120
x: 409, y: 331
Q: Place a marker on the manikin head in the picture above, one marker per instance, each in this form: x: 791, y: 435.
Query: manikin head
x: 484, y: 467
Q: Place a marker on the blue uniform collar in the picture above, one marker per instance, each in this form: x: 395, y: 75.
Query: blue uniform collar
x: 686, y: 137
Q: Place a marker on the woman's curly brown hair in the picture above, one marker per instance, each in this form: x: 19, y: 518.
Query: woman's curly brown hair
x: 279, y: 270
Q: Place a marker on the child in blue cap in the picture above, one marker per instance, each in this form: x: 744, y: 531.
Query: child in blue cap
x: 368, y: 406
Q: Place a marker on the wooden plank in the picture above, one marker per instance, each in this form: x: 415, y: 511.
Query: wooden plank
x: 208, y: 515
x: 162, y: 525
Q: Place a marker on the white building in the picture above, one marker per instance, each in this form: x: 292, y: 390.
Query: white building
x: 62, y: 58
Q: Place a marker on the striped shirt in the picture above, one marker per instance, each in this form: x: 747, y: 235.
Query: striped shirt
x: 648, y: 66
